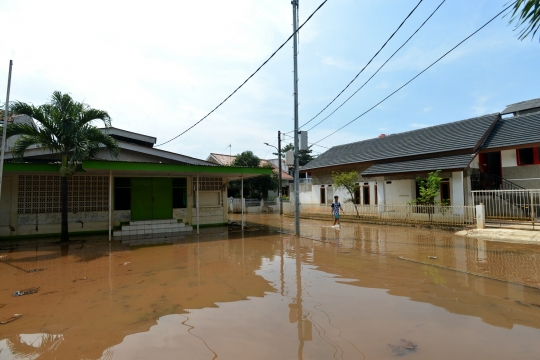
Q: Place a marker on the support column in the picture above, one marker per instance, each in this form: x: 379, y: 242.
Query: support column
x: 242, y: 199
x: 380, y: 194
x: 457, y: 197
x: 110, y: 204
x: 197, y: 203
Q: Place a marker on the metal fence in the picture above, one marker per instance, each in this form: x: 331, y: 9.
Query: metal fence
x: 420, y: 214
x: 509, y: 205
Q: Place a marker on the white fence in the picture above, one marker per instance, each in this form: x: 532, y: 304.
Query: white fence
x: 421, y: 214
x: 509, y: 205
x: 252, y: 206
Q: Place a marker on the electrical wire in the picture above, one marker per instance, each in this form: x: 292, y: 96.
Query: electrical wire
x: 417, y: 75
x: 371, y: 77
x: 365, y: 66
x: 245, y: 81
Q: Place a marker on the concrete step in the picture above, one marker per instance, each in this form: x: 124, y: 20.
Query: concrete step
x: 151, y: 226
x: 144, y: 233
x: 153, y: 222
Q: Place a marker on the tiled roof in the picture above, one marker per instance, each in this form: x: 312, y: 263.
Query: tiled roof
x: 223, y: 159
x: 421, y: 165
x: 228, y: 160
x: 458, y: 135
x: 520, y: 106
x: 513, y: 131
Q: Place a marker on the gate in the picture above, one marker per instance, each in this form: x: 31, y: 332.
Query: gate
x: 509, y: 206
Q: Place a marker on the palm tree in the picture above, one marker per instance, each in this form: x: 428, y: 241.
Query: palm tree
x: 64, y: 127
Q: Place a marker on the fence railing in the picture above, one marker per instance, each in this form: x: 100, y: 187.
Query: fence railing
x: 513, y: 205
x: 421, y: 214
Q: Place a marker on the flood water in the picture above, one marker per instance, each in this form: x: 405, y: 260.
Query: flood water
x: 353, y: 293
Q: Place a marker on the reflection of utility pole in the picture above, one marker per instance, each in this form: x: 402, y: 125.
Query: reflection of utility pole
x: 299, y: 298
x: 281, y: 268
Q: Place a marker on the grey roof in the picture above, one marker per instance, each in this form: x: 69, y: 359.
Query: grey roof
x: 514, y: 131
x: 459, y: 135
x: 520, y: 106
x: 421, y: 165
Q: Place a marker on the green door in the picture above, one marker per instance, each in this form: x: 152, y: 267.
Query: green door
x: 162, y: 194
x: 151, y: 198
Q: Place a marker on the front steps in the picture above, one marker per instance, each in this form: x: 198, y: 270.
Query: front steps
x: 148, y: 229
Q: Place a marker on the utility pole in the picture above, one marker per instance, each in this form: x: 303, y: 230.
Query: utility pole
x: 4, y: 128
x: 296, y: 145
x: 280, y: 188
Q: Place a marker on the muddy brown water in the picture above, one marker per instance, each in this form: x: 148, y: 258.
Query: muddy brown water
x: 264, y: 294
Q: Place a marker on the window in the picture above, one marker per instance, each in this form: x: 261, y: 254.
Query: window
x: 179, y: 188
x: 366, y: 194
x: 357, y: 194
x: 376, y: 195
x: 528, y: 156
x: 445, y: 190
x: 323, y: 195
x: 208, y: 183
x: 122, y: 193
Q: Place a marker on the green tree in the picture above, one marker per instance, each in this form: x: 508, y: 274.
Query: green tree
x: 257, y: 187
x: 428, y: 189
x: 305, y: 155
x: 526, y: 14
x: 64, y: 127
x: 347, y: 181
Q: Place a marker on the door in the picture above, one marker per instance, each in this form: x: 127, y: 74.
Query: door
x: 151, y: 198
x: 162, y: 205
x: 5, y: 202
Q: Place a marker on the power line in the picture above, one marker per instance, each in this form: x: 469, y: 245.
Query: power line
x: 420, y: 73
x: 371, y: 77
x: 365, y: 66
x: 245, y: 81
x: 312, y: 144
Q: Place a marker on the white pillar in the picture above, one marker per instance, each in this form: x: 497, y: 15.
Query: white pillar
x: 380, y: 194
x: 110, y: 204
x: 197, y: 203
x: 480, y: 216
x: 457, y: 197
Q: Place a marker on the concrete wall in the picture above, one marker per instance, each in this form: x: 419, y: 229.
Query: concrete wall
x: 209, y: 213
x: 399, y: 192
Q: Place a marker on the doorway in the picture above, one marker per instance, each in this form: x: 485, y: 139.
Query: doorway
x: 151, y: 198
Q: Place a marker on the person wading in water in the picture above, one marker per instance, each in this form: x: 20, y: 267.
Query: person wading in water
x: 336, y: 206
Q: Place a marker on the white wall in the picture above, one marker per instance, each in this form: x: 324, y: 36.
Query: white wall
x: 508, y: 158
x: 474, y: 163
x: 399, y: 192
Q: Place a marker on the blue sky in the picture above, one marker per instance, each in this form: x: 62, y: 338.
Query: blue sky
x: 158, y: 68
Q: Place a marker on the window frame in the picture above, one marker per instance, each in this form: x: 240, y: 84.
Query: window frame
x: 536, y: 157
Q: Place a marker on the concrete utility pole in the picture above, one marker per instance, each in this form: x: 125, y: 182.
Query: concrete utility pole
x: 4, y: 128
x: 296, y: 145
x: 280, y: 189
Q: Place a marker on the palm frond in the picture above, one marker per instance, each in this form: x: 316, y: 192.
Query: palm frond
x: 526, y: 14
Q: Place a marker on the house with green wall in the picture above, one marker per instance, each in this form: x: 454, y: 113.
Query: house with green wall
x: 144, y: 192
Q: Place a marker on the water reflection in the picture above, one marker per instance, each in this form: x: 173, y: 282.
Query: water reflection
x: 344, y: 295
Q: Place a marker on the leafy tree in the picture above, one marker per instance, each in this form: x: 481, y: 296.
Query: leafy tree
x: 526, y: 14
x: 305, y: 155
x: 247, y: 158
x: 428, y: 189
x: 64, y: 127
x: 257, y: 187
x: 347, y: 181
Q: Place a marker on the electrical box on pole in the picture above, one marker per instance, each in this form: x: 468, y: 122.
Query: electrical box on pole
x: 289, y: 158
x: 303, y: 140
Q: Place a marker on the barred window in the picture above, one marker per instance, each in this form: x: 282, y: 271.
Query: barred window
x: 208, y: 183
x: 40, y: 194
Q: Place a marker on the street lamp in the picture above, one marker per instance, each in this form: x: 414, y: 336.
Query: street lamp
x: 279, y: 160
